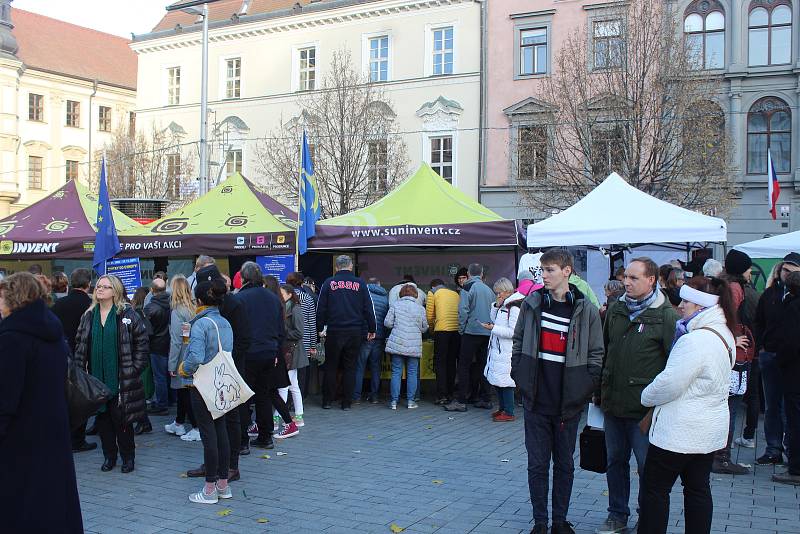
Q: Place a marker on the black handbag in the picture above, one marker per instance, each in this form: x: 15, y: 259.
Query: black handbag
x: 593, y: 450
x: 85, y: 394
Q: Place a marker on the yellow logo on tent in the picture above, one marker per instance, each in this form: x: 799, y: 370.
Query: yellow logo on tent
x: 6, y: 247
x: 281, y: 239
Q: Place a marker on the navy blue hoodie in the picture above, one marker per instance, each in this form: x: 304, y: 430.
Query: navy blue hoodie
x: 345, y: 304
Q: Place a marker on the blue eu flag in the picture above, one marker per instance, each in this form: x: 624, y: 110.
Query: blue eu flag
x: 106, y: 242
x: 310, y: 209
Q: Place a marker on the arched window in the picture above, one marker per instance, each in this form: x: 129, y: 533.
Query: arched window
x: 704, y: 27
x: 769, y: 127
x: 770, y: 32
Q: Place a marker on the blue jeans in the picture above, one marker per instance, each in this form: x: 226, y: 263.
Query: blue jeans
x: 372, y: 352
x: 158, y: 362
x: 505, y: 397
x: 774, y: 416
x: 412, y: 366
x: 546, y: 437
x: 623, y: 437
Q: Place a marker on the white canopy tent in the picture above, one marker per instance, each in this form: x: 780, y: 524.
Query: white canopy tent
x: 616, y: 213
x: 776, y: 246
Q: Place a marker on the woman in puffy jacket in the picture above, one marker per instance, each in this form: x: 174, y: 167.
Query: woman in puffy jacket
x: 690, y: 400
x: 407, y: 320
x: 503, y: 317
x: 112, y: 344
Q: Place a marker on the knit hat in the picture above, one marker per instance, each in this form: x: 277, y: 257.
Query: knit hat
x: 793, y: 258
x: 737, y: 262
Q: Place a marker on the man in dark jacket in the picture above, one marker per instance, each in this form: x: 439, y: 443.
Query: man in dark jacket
x: 267, y: 333
x: 788, y: 362
x: 770, y: 330
x: 372, y: 351
x: 158, y: 313
x: 344, y: 307
x: 69, y: 310
x: 638, y: 335
x: 556, y: 363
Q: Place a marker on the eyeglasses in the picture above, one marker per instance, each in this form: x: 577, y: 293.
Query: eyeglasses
x: 103, y: 287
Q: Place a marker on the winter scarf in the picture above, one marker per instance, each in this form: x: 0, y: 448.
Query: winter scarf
x: 636, y: 307
x: 682, y: 326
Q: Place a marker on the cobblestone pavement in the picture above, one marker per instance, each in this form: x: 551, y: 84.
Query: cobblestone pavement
x: 377, y: 470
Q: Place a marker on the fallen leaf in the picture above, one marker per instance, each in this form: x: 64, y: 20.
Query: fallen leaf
x: 184, y: 475
x: 429, y: 427
x: 265, y: 456
x: 605, y: 493
x: 396, y: 528
x: 223, y: 513
x: 281, y: 453
x: 505, y: 460
x: 356, y: 451
x: 370, y: 436
x: 438, y: 482
x: 262, y: 520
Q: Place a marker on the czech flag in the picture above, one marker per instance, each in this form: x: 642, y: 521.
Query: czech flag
x: 773, y: 186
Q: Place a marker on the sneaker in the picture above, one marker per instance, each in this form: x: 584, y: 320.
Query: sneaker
x: 456, y: 406
x: 252, y: 430
x: 357, y: 401
x: 787, y: 478
x: 768, y: 459
x: 559, y: 527
x: 373, y: 399
x: 503, y: 417
x: 298, y: 420
x: 746, y: 443
x: 612, y: 526
x: 539, y: 528
x: 225, y: 493
x: 392, y: 405
x: 202, y: 498
x: 276, y: 422
x: 288, y: 431
x: 262, y: 443
x: 175, y: 429
x: 192, y: 435
x: 726, y: 467
x: 411, y: 405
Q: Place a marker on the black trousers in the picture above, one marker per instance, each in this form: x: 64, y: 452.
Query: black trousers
x: 661, y: 469
x: 259, y: 373
x: 791, y: 405
x: 115, y: 436
x: 185, y: 410
x: 78, y: 435
x: 216, y: 447
x: 446, y: 346
x: 471, y: 362
x: 234, y: 430
x: 752, y: 397
x: 341, y: 350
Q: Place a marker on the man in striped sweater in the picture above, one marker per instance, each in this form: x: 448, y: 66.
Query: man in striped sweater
x: 556, y: 363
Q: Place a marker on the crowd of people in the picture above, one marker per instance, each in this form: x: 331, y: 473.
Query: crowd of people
x: 669, y: 357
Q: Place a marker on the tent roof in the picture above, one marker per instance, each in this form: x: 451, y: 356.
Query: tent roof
x: 616, y: 213
x: 776, y: 246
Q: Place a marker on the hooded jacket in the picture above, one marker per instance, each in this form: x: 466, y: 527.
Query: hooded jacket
x: 474, y: 304
x: 158, y: 313
x: 498, y: 362
x: 584, y: 356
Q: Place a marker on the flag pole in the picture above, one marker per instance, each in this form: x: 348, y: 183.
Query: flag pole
x: 299, y: 200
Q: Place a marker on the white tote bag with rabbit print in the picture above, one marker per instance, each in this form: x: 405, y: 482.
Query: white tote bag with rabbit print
x: 219, y: 382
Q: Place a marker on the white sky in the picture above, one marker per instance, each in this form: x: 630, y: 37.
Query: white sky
x: 120, y: 17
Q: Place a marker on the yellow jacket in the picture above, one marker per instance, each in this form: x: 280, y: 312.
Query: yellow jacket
x: 442, y: 310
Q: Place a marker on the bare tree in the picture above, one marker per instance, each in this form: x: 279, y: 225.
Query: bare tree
x: 357, y: 153
x: 152, y: 165
x: 628, y: 97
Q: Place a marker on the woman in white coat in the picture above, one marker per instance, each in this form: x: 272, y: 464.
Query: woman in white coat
x: 690, y: 400
x: 503, y: 315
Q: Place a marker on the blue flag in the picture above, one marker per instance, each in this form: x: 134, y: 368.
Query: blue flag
x: 106, y: 242
x: 310, y: 209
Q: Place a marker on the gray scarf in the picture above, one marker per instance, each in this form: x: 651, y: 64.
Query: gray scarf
x: 636, y: 307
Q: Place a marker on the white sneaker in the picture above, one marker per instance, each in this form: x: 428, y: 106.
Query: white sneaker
x: 192, y: 435
x: 393, y: 405
x: 202, y: 498
x: 412, y: 405
x: 298, y: 420
x: 744, y: 442
x: 225, y: 493
x: 175, y: 428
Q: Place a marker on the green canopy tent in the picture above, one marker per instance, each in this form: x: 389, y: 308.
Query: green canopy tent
x: 234, y: 218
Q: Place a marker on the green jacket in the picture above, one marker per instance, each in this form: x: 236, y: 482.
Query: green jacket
x: 584, y: 287
x: 635, y: 353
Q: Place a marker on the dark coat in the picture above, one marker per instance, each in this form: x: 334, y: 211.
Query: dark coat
x: 236, y: 314
x: 788, y: 355
x: 158, y: 312
x: 39, y: 492
x: 265, y: 312
x: 768, y: 326
x: 134, y: 355
x: 69, y: 311
x: 344, y: 305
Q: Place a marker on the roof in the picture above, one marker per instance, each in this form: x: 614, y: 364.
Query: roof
x: 56, y: 46
x: 616, y: 213
x: 776, y: 246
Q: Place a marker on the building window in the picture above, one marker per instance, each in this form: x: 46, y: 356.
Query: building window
x: 72, y: 170
x: 379, y: 59
x: 173, y: 86
x: 443, y: 51
x: 533, y: 51
x: 174, y: 174
x: 35, y: 107
x: 73, y: 113
x: 531, y: 152
x: 607, y: 150
x: 377, y: 162
x: 233, y: 162
x: 770, y: 33
x: 34, y: 172
x: 705, y: 36
x: 769, y: 127
x: 233, y: 78
x: 308, y: 68
x: 104, y: 122
x: 608, y: 44
x: 442, y: 156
